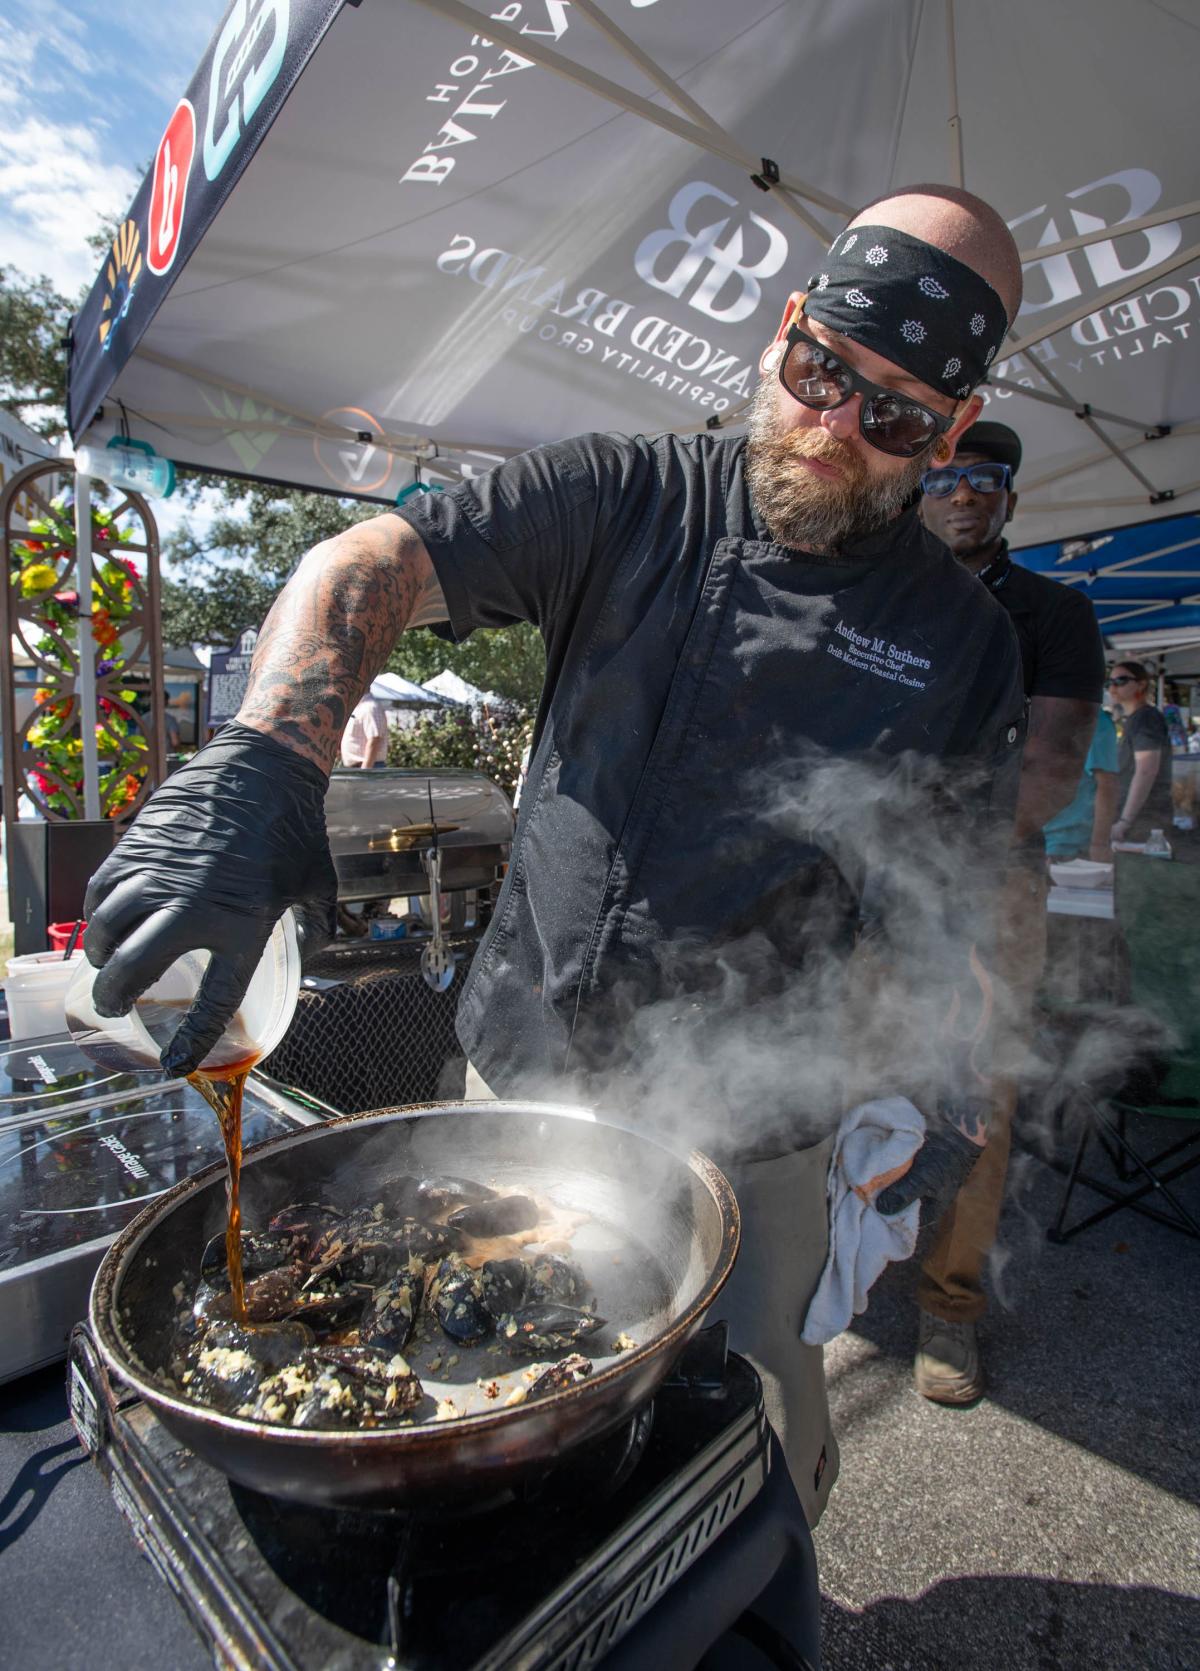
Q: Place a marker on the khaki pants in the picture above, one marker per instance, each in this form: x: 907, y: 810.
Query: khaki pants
x: 951, y: 1282
x: 785, y: 1237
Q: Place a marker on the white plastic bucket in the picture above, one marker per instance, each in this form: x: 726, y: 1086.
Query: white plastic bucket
x: 35, y: 989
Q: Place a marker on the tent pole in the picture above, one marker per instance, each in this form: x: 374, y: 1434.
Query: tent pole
x: 1147, y: 609
x: 687, y: 104
x: 1106, y: 298
x: 1111, y: 501
x: 526, y: 46
x: 1107, y: 570
x: 600, y: 20
x: 86, y: 681
x: 955, y: 120
x: 1084, y: 412
x: 404, y: 446
x: 1142, y: 224
x: 1093, y: 459
x: 1065, y: 402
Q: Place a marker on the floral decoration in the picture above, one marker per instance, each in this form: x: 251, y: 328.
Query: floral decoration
x: 39, y: 561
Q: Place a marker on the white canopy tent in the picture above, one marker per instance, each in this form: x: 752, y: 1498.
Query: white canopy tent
x: 418, y: 234
x: 396, y: 692
x: 451, y: 688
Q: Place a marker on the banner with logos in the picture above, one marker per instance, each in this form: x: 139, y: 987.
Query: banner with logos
x: 379, y: 239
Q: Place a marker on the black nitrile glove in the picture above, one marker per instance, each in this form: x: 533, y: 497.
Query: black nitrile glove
x: 213, y: 860
x: 942, y: 1166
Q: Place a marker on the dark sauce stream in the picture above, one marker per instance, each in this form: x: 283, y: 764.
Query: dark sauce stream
x: 222, y: 1087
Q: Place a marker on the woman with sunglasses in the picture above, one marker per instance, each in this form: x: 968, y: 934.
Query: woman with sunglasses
x: 1144, y: 756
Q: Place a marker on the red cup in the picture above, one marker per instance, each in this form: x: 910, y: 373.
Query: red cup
x: 59, y: 935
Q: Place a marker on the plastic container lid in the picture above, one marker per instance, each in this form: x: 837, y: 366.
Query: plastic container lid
x: 135, y: 1042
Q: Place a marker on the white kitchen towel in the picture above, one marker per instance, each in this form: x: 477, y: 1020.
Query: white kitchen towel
x: 875, y: 1144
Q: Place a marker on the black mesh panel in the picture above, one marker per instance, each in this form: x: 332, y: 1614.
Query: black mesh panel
x: 379, y: 1038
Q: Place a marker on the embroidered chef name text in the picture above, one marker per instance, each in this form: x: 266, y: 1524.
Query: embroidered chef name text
x: 877, y: 656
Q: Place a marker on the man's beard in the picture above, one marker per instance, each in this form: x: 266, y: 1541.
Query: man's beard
x: 803, y: 509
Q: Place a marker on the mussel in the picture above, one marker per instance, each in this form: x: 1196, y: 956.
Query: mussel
x: 226, y: 1365
x: 438, y: 1192
x: 504, y: 1215
x: 302, y: 1224
x: 391, y: 1387
x: 456, y: 1299
x: 504, y: 1284
x: 260, y: 1252
x: 269, y: 1298
x: 388, y: 1318
x: 551, y: 1277
x: 568, y: 1372
x: 546, y: 1327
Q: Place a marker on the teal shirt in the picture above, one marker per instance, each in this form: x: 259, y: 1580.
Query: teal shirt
x: 1069, y: 832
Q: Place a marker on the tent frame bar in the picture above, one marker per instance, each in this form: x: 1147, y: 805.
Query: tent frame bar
x: 1106, y: 570
x: 1082, y: 240
x: 708, y: 138
x: 414, y: 448
x: 1106, y: 298
x: 1064, y: 400
x: 954, y: 121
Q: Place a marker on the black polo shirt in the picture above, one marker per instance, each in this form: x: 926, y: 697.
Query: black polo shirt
x: 1062, y: 652
x: 1145, y: 732
x: 732, y: 762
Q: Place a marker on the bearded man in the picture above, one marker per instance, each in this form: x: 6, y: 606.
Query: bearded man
x: 771, y: 698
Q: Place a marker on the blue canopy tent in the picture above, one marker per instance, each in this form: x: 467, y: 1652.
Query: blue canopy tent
x: 1143, y: 580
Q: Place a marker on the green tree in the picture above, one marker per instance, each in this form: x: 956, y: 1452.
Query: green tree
x: 230, y: 578
x: 215, y: 585
x: 33, y: 363
x: 34, y: 320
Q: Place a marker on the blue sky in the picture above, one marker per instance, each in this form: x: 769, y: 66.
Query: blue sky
x: 86, y: 88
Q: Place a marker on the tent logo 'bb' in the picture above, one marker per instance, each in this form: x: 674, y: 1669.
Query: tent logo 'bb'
x: 246, y: 60
x: 729, y: 289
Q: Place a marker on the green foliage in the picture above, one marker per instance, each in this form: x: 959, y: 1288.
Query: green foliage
x: 33, y: 364
x: 230, y: 579
x: 509, y: 660
x: 455, y: 741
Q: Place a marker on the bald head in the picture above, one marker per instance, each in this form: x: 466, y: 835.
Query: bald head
x: 961, y: 224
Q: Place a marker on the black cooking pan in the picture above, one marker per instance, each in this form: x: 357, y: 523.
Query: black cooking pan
x: 658, y: 1239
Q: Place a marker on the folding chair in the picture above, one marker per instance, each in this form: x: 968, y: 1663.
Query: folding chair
x: 1158, y: 909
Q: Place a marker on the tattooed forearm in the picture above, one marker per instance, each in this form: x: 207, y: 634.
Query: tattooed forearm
x: 332, y: 629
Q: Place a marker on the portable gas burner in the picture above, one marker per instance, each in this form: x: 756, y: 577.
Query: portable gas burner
x: 553, y: 1575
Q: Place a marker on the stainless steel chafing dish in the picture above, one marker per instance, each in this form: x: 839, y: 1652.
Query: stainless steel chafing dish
x: 381, y: 822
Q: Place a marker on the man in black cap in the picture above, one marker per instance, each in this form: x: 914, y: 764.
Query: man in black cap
x: 968, y: 505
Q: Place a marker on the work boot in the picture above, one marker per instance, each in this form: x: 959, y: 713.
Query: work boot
x: 947, y: 1367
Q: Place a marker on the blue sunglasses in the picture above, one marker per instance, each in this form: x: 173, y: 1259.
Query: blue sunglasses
x: 984, y: 478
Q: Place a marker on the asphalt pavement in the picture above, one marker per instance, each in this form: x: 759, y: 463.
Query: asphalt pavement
x: 1055, y: 1525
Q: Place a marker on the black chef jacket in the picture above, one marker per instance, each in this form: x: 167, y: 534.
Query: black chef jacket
x: 697, y: 677
x: 1062, y: 652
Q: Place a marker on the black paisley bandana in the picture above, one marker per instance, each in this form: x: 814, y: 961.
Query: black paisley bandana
x: 911, y: 303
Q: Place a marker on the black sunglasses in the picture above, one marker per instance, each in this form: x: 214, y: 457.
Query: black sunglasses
x: 984, y: 478
x: 821, y: 380
x: 1122, y: 679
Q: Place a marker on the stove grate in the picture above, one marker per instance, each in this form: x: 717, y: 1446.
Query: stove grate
x: 578, y: 1578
